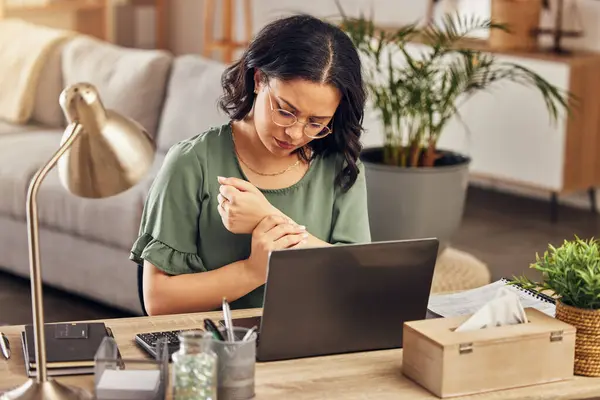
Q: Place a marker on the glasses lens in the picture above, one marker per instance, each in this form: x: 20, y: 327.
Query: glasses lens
x: 315, y: 130
x: 283, y: 117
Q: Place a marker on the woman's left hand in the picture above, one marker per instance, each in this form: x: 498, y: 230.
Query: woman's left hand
x: 242, y: 205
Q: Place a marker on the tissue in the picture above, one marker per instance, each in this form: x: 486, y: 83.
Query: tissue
x: 504, y: 309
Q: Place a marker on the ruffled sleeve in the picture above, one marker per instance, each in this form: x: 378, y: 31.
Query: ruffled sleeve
x: 350, y: 213
x: 168, y: 235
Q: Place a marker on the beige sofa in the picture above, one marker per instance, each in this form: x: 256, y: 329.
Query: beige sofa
x: 85, y: 243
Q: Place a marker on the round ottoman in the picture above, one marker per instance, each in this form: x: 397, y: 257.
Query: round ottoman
x: 457, y: 270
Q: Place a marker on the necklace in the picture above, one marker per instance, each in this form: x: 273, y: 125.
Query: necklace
x: 294, y: 165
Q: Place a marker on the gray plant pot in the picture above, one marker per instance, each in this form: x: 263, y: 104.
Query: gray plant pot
x: 410, y: 203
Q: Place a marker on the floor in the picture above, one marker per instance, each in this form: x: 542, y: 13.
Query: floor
x: 504, y: 231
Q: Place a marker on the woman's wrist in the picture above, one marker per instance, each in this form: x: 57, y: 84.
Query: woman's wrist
x: 275, y: 211
x: 272, y: 210
x: 312, y: 241
x: 251, y: 274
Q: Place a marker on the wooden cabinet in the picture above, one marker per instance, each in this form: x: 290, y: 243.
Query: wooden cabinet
x: 512, y: 138
x: 91, y: 17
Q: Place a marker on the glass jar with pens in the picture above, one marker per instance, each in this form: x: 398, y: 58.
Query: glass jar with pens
x: 235, y: 348
x: 194, y: 368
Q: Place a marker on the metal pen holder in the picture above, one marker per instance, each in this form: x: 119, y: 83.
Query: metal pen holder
x: 130, y: 378
x: 236, y: 364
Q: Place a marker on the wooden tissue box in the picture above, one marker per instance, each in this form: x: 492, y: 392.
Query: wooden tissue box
x: 450, y: 363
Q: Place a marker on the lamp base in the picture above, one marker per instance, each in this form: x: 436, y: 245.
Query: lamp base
x: 49, y: 390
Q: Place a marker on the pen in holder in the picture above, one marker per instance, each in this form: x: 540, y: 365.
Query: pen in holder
x: 236, y: 363
x: 140, y: 379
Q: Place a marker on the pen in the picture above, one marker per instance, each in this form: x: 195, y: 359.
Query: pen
x: 211, y: 327
x: 249, y: 334
x: 5, y: 345
x: 227, y: 319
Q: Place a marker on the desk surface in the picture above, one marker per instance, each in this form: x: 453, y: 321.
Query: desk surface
x: 369, y: 375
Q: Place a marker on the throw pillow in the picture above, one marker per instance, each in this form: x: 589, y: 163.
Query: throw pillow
x: 130, y: 81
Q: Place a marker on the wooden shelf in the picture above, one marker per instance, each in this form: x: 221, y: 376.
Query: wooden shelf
x: 88, y: 17
x: 58, y: 6
x: 222, y: 44
x: 542, y: 53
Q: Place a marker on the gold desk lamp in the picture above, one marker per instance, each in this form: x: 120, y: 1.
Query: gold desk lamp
x: 101, y: 154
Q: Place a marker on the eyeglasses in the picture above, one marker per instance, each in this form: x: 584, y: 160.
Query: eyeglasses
x: 286, y: 119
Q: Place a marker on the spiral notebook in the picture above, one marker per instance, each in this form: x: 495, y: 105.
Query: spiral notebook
x: 469, y: 301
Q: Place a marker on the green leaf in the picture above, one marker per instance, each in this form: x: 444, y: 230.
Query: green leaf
x: 571, y: 271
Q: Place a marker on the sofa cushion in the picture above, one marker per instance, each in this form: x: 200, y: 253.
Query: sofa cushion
x: 191, y: 103
x: 46, y: 109
x: 7, y: 128
x: 130, y: 81
x: 21, y: 155
x: 112, y: 221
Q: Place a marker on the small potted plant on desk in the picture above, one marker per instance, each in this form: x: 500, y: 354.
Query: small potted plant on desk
x: 418, y: 78
x: 571, y: 273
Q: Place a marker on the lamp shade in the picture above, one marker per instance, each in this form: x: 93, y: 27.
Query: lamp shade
x: 112, y: 152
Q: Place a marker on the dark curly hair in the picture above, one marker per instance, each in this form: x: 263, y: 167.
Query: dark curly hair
x: 305, y: 47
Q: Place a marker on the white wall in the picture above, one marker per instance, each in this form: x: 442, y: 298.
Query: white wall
x: 186, y: 26
x: 186, y: 15
x: 384, y: 11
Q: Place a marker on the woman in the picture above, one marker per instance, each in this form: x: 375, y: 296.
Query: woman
x: 284, y: 173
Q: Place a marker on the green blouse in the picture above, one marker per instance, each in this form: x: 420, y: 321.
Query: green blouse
x: 181, y: 230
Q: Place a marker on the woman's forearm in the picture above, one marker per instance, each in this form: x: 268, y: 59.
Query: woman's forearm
x: 197, y: 292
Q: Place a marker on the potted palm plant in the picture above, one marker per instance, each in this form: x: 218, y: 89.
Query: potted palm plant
x: 571, y: 274
x: 418, y: 78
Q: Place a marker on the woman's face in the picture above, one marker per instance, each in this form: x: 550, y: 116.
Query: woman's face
x: 310, y: 102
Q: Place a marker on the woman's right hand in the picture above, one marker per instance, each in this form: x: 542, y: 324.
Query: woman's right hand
x: 272, y: 233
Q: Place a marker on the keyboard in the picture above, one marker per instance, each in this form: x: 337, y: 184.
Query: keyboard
x: 147, y: 341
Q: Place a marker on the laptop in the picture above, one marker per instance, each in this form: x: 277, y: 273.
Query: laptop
x: 342, y: 299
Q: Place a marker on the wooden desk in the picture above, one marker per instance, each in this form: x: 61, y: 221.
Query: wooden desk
x: 369, y: 375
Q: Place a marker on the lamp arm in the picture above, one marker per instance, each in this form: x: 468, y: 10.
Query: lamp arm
x: 34, y: 252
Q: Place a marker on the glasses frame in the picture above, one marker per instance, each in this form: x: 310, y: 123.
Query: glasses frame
x: 296, y: 120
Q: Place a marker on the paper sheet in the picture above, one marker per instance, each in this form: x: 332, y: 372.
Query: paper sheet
x: 128, y: 384
x: 469, y: 301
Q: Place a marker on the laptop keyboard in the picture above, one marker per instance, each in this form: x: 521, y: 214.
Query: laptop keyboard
x: 148, y: 341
